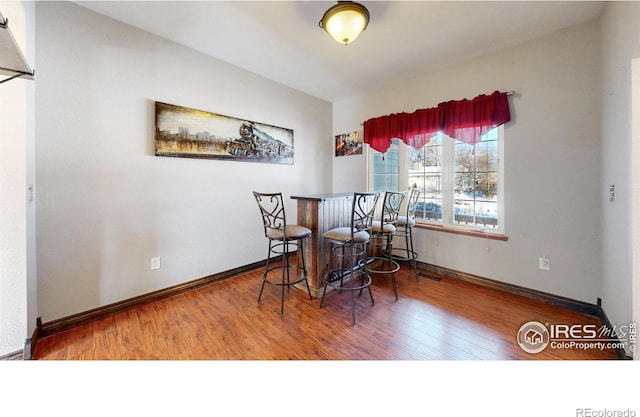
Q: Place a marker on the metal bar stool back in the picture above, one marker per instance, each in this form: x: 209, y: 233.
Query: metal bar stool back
x: 347, y: 268
x: 404, y: 230
x: 281, y: 237
x: 383, y: 232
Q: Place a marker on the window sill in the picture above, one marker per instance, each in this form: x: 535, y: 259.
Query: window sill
x: 464, y: 232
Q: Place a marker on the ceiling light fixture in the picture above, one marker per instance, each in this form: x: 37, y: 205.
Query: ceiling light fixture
x: 345, y: 21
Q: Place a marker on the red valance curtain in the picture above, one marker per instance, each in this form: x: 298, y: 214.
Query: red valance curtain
x: 465, y: 120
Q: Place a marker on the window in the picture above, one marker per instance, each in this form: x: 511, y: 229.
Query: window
x: 386, y: 169
x: 460, y: 184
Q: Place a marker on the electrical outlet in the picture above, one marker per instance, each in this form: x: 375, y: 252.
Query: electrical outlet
x: 544, y: 263
x: 155, y: 263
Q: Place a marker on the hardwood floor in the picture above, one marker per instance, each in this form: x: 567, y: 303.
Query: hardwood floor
x: 445, y: 320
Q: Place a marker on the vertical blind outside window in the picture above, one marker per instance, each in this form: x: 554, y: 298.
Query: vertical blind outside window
x: 386, y: 169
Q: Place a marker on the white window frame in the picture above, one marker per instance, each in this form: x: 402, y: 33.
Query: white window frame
x: 448, y: 184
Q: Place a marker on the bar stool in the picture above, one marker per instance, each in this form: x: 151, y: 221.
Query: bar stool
x: 382, y: 236
x: 281, y: 236
x: 404, y: 229
x: 347, y: 268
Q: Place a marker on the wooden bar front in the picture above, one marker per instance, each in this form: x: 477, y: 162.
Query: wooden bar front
x: 321, y: 213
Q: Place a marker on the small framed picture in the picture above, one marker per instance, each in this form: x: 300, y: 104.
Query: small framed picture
x: 349, y: 144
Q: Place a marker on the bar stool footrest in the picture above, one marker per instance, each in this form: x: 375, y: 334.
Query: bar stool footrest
x: 341, y: 286
x: 412, y: 255
x: 279, y: 282
x: 395, y: 266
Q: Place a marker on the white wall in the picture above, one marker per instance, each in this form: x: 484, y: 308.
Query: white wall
x: 16, y: 218
x: 32, y: 261
x: 106, y: 205
x: 635, y: 183
x: 620, y: 36
x: 552, y: 160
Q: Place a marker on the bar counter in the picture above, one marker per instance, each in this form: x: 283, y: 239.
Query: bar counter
x: 320, y: 213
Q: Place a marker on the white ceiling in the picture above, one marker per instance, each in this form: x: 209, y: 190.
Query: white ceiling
x: 282, y: 41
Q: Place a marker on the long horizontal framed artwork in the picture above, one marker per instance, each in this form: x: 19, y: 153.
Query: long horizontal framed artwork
x: 189, y: 133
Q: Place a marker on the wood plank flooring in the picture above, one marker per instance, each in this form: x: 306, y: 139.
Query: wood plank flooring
x: 445, y: 320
